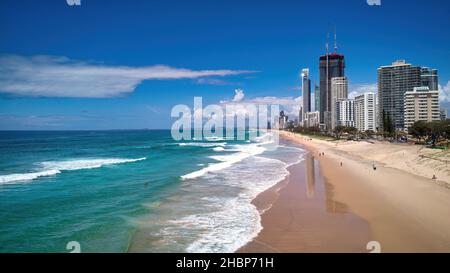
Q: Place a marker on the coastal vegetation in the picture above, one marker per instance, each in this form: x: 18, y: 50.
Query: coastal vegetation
x: 435, y: 134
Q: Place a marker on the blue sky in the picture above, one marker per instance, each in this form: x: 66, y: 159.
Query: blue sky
x: 124, y: 64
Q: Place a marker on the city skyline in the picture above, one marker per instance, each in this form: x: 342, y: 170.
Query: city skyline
x: 262, y: 57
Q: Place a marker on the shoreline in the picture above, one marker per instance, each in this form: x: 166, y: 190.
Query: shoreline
x: 356, y: 204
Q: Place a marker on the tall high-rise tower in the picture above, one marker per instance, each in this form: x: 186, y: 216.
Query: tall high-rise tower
x: 331, y: 65
x: 393, y: 82
x: 306, y: 90
x: 316, y: 98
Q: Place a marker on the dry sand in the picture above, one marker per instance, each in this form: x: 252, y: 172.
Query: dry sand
x: 334, y: 208
x: 414, y: 159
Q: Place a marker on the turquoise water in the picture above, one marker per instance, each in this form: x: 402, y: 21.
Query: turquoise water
x: 118, y: 191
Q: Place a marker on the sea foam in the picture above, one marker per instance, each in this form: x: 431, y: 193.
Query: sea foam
x: 80, y: 164
x: 236, y: 221
x: 232, y: 220
x: 243, y: 152
x: 50, y: 168
x: 12, y: 178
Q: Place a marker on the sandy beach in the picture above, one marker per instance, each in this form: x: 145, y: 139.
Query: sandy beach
x: 337, y: 202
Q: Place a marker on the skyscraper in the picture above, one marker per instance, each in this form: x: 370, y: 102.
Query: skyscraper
x: 339, y: 91
x: 316, y: 98
x: 330, y: 66
x: 301, y: 115
x: 306, y: 90
x: 365, y: 112
x: 393, y: 82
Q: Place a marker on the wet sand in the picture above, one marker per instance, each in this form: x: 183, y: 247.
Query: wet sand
x: 302, y: 215
x: 325, y: 207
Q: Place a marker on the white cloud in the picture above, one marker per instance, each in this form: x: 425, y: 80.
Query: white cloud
x: 358, y: 89
x: 282, y: 101
x: 212, y: 81
x: 444, y: 93
x: 290, y: 105
x: 239, y: 95
x: 49, y: 76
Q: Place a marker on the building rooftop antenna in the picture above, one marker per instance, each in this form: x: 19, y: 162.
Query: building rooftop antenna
x: 335, y: 40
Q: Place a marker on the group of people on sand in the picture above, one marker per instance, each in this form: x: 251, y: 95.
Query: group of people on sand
x: 342, y: 164
x: 374, y: 166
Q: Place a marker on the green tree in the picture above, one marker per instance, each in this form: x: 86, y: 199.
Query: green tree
x: 419, y: 130
x: 438, y: 130
x: 338, y: 131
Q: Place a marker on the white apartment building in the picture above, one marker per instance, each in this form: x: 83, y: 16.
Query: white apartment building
x: 366, y: 112
x: 345, y: 113
x: 339, y: 91
x: 421, y: 104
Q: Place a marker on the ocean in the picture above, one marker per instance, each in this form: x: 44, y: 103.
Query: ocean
x: 138, y: 191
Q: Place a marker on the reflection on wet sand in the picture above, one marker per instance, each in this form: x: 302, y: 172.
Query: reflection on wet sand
x: 310, y: 175
x: 306, y: 217
x: 312, y: 172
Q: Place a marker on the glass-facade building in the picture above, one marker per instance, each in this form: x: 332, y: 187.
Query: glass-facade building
x: 316, y: 98
x: 429, y: 78
x: 393, y: 82
x: 306, y: 90
x: 330, y: 66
